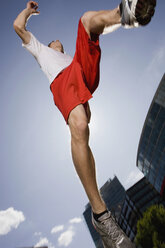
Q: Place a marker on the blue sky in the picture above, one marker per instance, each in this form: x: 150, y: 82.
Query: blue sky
x: 42, y: 199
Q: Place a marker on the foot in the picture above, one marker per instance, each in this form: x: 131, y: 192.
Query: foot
x: 111, y: 234
x: 136, y: 13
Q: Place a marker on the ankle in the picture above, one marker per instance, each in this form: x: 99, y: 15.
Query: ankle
x: 99, y: 209
x: 97, y: 216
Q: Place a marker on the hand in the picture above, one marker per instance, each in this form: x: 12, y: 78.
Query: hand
x: 33, y: 6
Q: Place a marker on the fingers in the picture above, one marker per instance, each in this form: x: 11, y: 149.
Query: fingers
x: 33, y: 2
x: 33, y: 6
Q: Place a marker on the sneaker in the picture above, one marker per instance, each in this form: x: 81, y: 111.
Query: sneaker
x: 111, y: 234
x: 136, y: 13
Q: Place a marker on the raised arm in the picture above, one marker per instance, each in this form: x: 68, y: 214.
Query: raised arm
x: 21, y: 20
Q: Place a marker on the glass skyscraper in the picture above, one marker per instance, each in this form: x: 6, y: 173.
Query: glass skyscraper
x: 138, y: 198
x: 113, y: 194
x: 151, y: 150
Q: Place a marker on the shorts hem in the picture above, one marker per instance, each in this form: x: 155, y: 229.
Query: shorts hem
x: 74, y: 106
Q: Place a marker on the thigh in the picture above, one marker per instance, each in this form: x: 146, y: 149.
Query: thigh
x: 81, y: 111
x: 69, y: 90
x: 88, y: 55
x: 86, y: 21
x: 90, y: 22
x: 78, y: 124
x: 78, y: 114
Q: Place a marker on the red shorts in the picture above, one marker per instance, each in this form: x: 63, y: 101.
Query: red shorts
x: 76, y: 83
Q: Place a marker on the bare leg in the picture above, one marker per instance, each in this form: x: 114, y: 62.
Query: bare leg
x: 83, y: 158
x: 94, y: 22
x: 97, y: 21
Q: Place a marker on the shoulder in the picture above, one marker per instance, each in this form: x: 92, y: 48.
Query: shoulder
x: 34, y: 46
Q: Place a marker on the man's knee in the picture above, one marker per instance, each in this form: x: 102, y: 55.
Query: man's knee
x: 86, y: 20
x: 79, y: 130
x: 78, y: 123
x: 94, y: 21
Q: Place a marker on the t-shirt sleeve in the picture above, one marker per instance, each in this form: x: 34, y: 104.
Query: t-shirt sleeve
x: 34, y: 46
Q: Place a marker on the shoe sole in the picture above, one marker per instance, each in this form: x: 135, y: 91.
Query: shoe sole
x: 144, y: 11
x: 140, y: 13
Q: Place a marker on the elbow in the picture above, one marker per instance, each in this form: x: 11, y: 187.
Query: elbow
x: 15, y: 24
x: 17, y: 27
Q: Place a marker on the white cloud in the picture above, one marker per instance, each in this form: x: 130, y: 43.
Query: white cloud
x: 10, y: 219
x: 57, y: 229
x: 133, y: 177
x: 75, y: 220
x: 44, y: 241
x: 66, y: 237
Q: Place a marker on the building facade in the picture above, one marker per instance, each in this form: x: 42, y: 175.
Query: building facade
x: 138, y: 198
x: 128, y: 207
x: 113, y: 194
x: 151, y: 150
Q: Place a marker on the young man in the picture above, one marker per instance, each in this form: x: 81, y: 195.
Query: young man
x: 73, y: 81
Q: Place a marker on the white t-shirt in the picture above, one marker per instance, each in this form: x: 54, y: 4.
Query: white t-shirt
x: 51, y: 62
